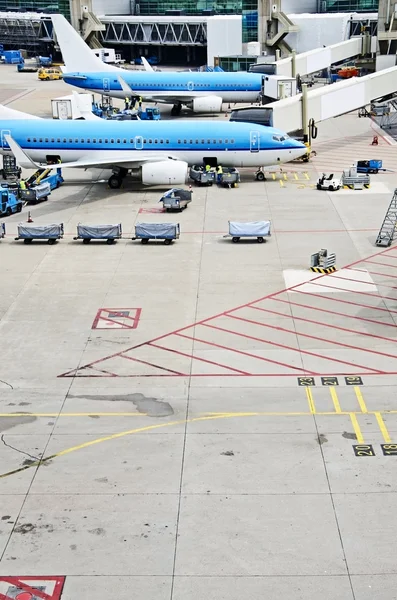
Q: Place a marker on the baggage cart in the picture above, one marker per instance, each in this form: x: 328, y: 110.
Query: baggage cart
x: 354, y: 180
x: 157, y: 231
x: 51, y: 233
x: 255, y: 229
x: 10, y: 167
x: 229, y: 178
x: 110, y: 233
x: 35, y: 194
x: 200, y: 176
x: 2, y: 230
x: 369, y: 166
x: 176, y: 199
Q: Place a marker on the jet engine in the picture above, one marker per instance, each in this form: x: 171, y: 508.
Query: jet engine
x: 167, y: 172
x: 207, y: 104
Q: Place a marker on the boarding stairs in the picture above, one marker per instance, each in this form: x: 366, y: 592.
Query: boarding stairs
x: 387, y: 232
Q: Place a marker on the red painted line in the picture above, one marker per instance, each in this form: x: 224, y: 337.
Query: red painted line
x: 198, y: 358
x: 269, y: 360
x: 391, y: 287
x: 313, y: 337
x: 15, y: 581
x: 334, y: 287
x: 347, y: 302
x: 381, y: 274
x: 308, y: 352
x: 145, y: 362
x: 375, y: 262
x: 321, y: 323
x: 249, y: 375
x: 109, y: 373
x: 333, y: 312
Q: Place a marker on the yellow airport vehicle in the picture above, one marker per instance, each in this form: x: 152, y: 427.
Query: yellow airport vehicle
x: 49, y: 74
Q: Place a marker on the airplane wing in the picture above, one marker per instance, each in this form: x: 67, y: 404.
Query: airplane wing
x: 165, y: 99
x: 113, y: 160
x: 145, y: 63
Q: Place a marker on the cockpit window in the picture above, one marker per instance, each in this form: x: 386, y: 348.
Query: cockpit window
x: 276, y: 138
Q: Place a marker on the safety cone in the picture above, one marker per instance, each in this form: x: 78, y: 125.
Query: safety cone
x: 30, y: 220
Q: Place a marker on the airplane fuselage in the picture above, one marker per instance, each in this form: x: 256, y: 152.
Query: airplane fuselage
x: 231, y: 143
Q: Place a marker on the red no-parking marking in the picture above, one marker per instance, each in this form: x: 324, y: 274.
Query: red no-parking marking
x: 31, y: 588
x: 117, y: 318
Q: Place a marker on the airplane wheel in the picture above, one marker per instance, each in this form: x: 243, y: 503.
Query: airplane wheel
x: 236, y: 239
x: 260, y: 240
x: 115, y: 182
x: 260, y: 176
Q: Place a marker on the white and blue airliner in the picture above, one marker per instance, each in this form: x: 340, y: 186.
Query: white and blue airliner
x: 158, y: 152
x: 203, y: 92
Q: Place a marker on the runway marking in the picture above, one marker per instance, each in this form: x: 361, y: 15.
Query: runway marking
x: 360, y: 399
x: 356, y: 427
x: 382, y: 427
x: 335, y: 399
x: 215, y: 348
x: 310, y: 401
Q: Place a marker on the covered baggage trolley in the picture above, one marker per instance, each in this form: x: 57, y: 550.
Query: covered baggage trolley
x: 200, y: 176
x: 110, y: 233
x: 35, y: 194
x: 176, y: 199
x: 229, y: 178
x: 157, y: 231
x: 28, y: 233
x: 355, y: 181
x: 2, y: 230
x: 256, y: 229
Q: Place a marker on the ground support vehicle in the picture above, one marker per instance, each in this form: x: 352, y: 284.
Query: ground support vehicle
x: 49, y: 74
x: 176, y: 199
x: 200, y: 176
x: 255, y: 229
x: 51, y: 233
x: 329, y: 183
x: 355, y: 181
x: 9, y: 203
x: 369, y: 166
x: 2, y: 230
x: 110, y: 233
x: 157, y: 231
x: 54, y: 180
x: 230, y: 177
x: 151, y: 113
x: 38, y: 193
x: 10, y: 167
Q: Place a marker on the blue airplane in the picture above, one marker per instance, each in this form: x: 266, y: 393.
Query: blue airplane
x: 202, y: 92
x: 157, y: 152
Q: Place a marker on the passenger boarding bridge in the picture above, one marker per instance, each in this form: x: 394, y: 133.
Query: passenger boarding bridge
x: 294, y: 113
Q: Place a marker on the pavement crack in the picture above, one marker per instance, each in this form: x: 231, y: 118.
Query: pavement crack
x: 16, y: 449
x: 6, y: 383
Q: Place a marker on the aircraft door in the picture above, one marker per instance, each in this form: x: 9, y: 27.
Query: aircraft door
x: 4, y: 144
x: 138, y: 143
x: 106, y: 85
x: 190, y: 86
x: 63, y: 110
x: 254, y: 141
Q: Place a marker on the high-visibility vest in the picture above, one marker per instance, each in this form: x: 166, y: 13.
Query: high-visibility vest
x: 22, y: 185
x: 207, y: 168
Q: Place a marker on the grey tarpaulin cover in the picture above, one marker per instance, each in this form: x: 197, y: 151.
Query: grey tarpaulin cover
x: 99, y: 232
x: 157, y: 230
x: 40, y: 231
x: 255, y: 228
x: 44, y: 189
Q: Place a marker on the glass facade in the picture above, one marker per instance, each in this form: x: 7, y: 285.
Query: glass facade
x: 45, y: 6
x: 236, y: 63
x: 188, y: 7
x: 350, y: 5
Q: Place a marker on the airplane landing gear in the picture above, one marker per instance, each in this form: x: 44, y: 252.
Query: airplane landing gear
x: 176, y: 109
x: 115, y: 181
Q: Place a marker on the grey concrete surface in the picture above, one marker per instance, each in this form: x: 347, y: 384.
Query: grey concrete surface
x: 181, y: 459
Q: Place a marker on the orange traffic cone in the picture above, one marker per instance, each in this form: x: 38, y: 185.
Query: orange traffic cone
x: 30, y: 220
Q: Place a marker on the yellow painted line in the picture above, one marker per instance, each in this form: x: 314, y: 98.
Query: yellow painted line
x: 335, y: 399
x: 274, y: 176
x: 360, y: 399
x: 382, y: 427
x: 296, y: 176
x: 356, y: 428
x: 306, y: 175
x: 281, y: 182
x: 310, y: 401
x: 285, y: 176
x: 88, y: 414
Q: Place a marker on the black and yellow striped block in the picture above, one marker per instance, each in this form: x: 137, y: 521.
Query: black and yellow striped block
x: 322, y: 270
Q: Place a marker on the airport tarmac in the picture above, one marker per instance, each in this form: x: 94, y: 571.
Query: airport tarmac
x: 206, y: 419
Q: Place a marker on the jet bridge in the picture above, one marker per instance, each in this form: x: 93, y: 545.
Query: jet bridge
x: 327, y: 102
x: 322, y: 58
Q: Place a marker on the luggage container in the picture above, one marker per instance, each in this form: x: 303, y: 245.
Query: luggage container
x: 38, y: 193
x: 157, y: 231
x: 51, y: 233
x: 10, y: 167
x: 229, y: 178
x: 200, y: 176
x: 110, y: 233
x: 355, y: 181
x: 255, y: 229
x: 176, y: 199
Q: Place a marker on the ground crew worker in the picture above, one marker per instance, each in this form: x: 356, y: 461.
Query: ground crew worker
x: 207, y: 168
x: 140, y: 101
x: 220, y: 172
x: 127, y: 103
x: 22, y: 184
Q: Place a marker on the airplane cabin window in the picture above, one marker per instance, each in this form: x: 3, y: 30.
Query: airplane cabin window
x: 161, y: 141
x: 59, y: 140
x: 70, y: 141
x: 88, y: 141
x: 52, y: 140
x: 155, y: 141
x: 28, y: 139
x: 124, y: 141
x: 64, y: 140
x: 150, y: 141
x: 46, y: 140
x: 144, y: 141
x: 131, y: 141
x: 82, y: 141
x: 94, y: 141
x: 41, y: 139
x: 184, y: 141
x: 112, y: 141
x: 106, y: 141
x: 226, y: 141
x: 179, y: 141
x: 203, y: 141
x: 118, y: 141
x: 167, y: 141
x: 208, y: 141
x: 232, y: 141
x: 220, y: 141
x: 99, y: 141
